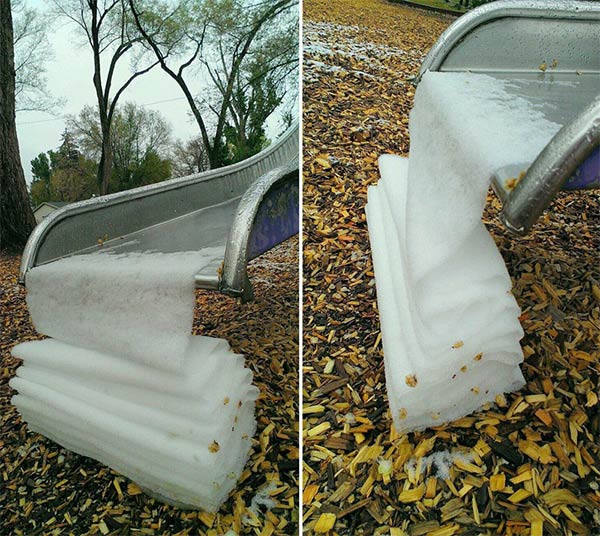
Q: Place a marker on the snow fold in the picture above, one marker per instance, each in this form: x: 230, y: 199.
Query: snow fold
x: 124, y: 382
x: 449, y: 322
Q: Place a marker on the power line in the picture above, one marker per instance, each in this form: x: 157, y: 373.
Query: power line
x: 42, y: 121
x: 161, y: 101
x: 63, y: 117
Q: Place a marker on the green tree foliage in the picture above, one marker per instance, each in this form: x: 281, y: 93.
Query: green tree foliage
x: 266, y: 80
x: 42, y: 172
x: 140, y: 144
x: 266, y: 76
x: 40, y: 167
x: 149, y: 169
x: 248, y: 51
x: 64, y: 174
x: 254, y: 100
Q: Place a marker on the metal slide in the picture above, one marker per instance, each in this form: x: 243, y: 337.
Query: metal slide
x: 537, y: 40
x: 241, y: 211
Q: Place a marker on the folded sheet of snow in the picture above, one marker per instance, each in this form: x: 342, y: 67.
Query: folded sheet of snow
x: 123, y: 380
x: 184, y: 437
x: 449, y: 322
x: 138, y: 305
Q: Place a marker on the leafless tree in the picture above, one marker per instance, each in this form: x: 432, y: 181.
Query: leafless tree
x: 32, y: 51
x: 218, y: 36
x: 189, y: 157
x: 110, y: 33
x: 267, y: 77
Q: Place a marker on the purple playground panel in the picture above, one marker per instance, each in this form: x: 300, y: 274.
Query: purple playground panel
x: 587, y: 175
x: 277, y: 218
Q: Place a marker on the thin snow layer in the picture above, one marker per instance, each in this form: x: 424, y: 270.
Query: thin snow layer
x: 440, y: 462
x: 336, y: 48
x: 263, y: 499
x: 449, y: 321
x: 124, y: 382
x: 184, y: 437
x: 322, y: 39
x: 138, y: 305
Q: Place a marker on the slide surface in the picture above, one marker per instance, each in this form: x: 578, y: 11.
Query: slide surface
x: 233, y: 213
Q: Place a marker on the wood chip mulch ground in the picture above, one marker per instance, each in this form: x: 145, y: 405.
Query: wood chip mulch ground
x: 47, y: 490
x: 535, y: 456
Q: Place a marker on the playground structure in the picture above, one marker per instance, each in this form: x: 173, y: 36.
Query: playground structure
x: 111, y: 281
x: 243, y: 210
x: 537, y: 40
x: 509, y: 97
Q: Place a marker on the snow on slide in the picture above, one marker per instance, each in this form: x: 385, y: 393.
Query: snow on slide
x: 449, y: 322
x: 124, y: 382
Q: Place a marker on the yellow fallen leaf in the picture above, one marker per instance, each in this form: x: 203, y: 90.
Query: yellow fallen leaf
x: 323, y: 161
x: 325, y: 523
x: 596, y: 292
x: 133, y: 489
x: 519, y: 495
x: 537, y: 528
x: 497, y: 482
x: 536, y: 453
x: 412, y: 495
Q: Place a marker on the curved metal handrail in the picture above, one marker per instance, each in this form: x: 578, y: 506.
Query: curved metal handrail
x: 234, y: 279
x: 467, y: 23
x: 286, y: 145
x: 572, y: 147
x: 551, y: 169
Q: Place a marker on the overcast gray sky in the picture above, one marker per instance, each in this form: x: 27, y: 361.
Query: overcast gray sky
x: 69, y: 74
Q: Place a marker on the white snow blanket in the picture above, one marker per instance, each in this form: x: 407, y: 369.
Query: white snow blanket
x: 139, y: 305
x: 449, y: 322
x: 124, y: 382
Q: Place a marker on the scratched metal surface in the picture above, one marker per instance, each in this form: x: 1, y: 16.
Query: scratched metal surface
x: 186, y: 214
x: 517, y: 36
x: 550, y: 52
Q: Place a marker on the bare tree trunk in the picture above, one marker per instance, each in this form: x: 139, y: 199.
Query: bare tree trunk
x: 105, y: 164
x: 215, y: 154
x: 94, y: 28
x: 16, y: 216
x: 108, y: 165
